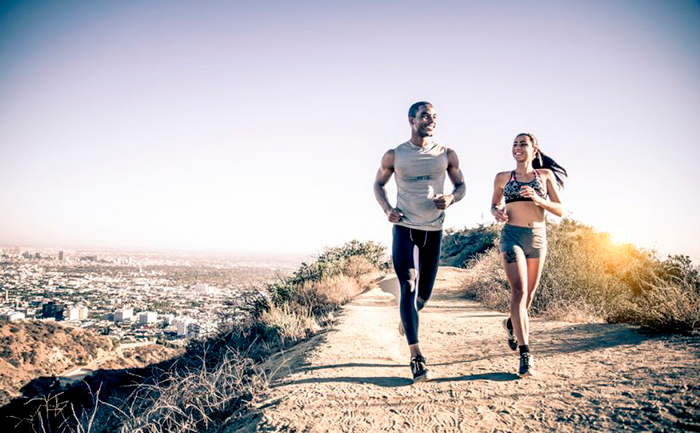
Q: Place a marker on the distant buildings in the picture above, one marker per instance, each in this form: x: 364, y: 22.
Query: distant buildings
x: 53, y: 310
x: 12, y: 316
x: 181, y: 326
x: 148, y: 317
x: 58, y: 312
x: 205, y: 289
x: 64, y: 285
x: 123, y: 315
x: 77, y: 313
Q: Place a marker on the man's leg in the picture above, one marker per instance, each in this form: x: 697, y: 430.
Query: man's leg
x: 402, y: 256
x: 429, y: 259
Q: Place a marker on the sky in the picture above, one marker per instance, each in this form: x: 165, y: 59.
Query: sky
x: 258, y: 126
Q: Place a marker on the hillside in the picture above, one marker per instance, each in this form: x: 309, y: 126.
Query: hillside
x: 33, y: 349
x: 590, y: 376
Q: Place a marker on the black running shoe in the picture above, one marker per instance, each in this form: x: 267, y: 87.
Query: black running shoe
x: 512, y: 341
x: 527, y: 365
x: 418, y: 368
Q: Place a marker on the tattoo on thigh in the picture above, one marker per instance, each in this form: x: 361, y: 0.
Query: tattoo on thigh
x: 511, y: 256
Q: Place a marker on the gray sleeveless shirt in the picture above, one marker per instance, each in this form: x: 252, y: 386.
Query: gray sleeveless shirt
x: 420, y: 174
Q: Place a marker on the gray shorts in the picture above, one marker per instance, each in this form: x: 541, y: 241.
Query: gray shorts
x: 532, y: 240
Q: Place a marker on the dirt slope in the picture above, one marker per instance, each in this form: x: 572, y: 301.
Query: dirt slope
x: 590, y: 376
x: 32, y: 349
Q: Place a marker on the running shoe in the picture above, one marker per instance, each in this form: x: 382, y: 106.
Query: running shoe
x: 512, y: 341
x: 418, y: 368
x: 527, y: 365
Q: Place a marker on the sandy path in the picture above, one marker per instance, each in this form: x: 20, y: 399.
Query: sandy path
x: 590, y: 376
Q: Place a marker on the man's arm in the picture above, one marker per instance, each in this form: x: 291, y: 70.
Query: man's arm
x: 457, y: 179
x: 386, y: 170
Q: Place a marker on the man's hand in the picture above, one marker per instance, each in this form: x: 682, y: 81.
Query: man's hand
x: 443, y: 201
x: 394, y: 215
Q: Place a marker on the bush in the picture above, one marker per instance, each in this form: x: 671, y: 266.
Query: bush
x: 665, y: 308
x: 290, y: 324
x: 462, y: 246
x: 587, y: 275
x: 350, y: 259
x: 487, y: 281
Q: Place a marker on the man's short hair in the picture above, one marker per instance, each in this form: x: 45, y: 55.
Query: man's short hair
x: 415, y: 107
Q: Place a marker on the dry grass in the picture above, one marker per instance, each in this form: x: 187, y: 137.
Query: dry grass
x: 333, y: 291
x: 358, y: 267
x: 664, y: 307
x: 194, y: 400
x: 311, y: 305
x: 487, y: 282
x: 587, y: 278
x: 291, y: 324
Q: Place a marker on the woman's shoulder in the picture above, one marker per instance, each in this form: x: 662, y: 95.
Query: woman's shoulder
x: 545, y: 172
x: 503, y: 176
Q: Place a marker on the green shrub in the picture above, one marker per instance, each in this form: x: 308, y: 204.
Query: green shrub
x: 461, y: 246
x: 333, y: 261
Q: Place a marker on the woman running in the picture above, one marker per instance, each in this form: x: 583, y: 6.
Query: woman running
x: 528, y: 191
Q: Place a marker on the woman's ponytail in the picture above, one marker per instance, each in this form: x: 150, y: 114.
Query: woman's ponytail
x: 543, y: 161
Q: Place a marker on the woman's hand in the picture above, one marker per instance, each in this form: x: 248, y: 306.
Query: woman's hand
x: 530, y: 193
x: 500, y: 214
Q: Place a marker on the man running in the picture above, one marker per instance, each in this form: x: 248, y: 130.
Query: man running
x: 420, y: 165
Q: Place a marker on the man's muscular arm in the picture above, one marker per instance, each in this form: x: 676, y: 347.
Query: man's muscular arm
x: 457, y: 179
x: 386, y: 170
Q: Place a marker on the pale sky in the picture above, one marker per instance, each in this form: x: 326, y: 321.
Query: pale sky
x: 259, y: 126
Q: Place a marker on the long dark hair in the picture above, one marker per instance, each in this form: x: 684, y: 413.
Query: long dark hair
x: 543, y: 161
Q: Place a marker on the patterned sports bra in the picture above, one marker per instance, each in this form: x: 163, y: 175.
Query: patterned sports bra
x: 511, y: 191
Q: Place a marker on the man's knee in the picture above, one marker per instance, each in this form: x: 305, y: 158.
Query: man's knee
x: 420, y: 303
x: 407, y: 277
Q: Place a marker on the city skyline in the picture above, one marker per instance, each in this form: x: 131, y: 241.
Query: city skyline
x: 258, y: 128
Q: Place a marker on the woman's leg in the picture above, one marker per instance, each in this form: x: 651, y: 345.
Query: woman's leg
x: 534, y: 274
x: 515, y: 265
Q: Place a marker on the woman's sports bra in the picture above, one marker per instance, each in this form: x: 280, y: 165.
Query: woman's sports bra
x: 511, y: 191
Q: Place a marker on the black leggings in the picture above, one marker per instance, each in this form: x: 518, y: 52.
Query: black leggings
x: 413, y: 249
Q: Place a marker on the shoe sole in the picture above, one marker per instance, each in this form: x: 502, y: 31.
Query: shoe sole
x: 526, y: 374
x: 426, y: 377
x: 514, y: 345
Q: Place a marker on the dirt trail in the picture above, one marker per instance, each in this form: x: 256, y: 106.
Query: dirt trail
x: 590, y: 376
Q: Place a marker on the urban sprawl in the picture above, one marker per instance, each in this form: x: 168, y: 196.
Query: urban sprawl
x: 131, y: 297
